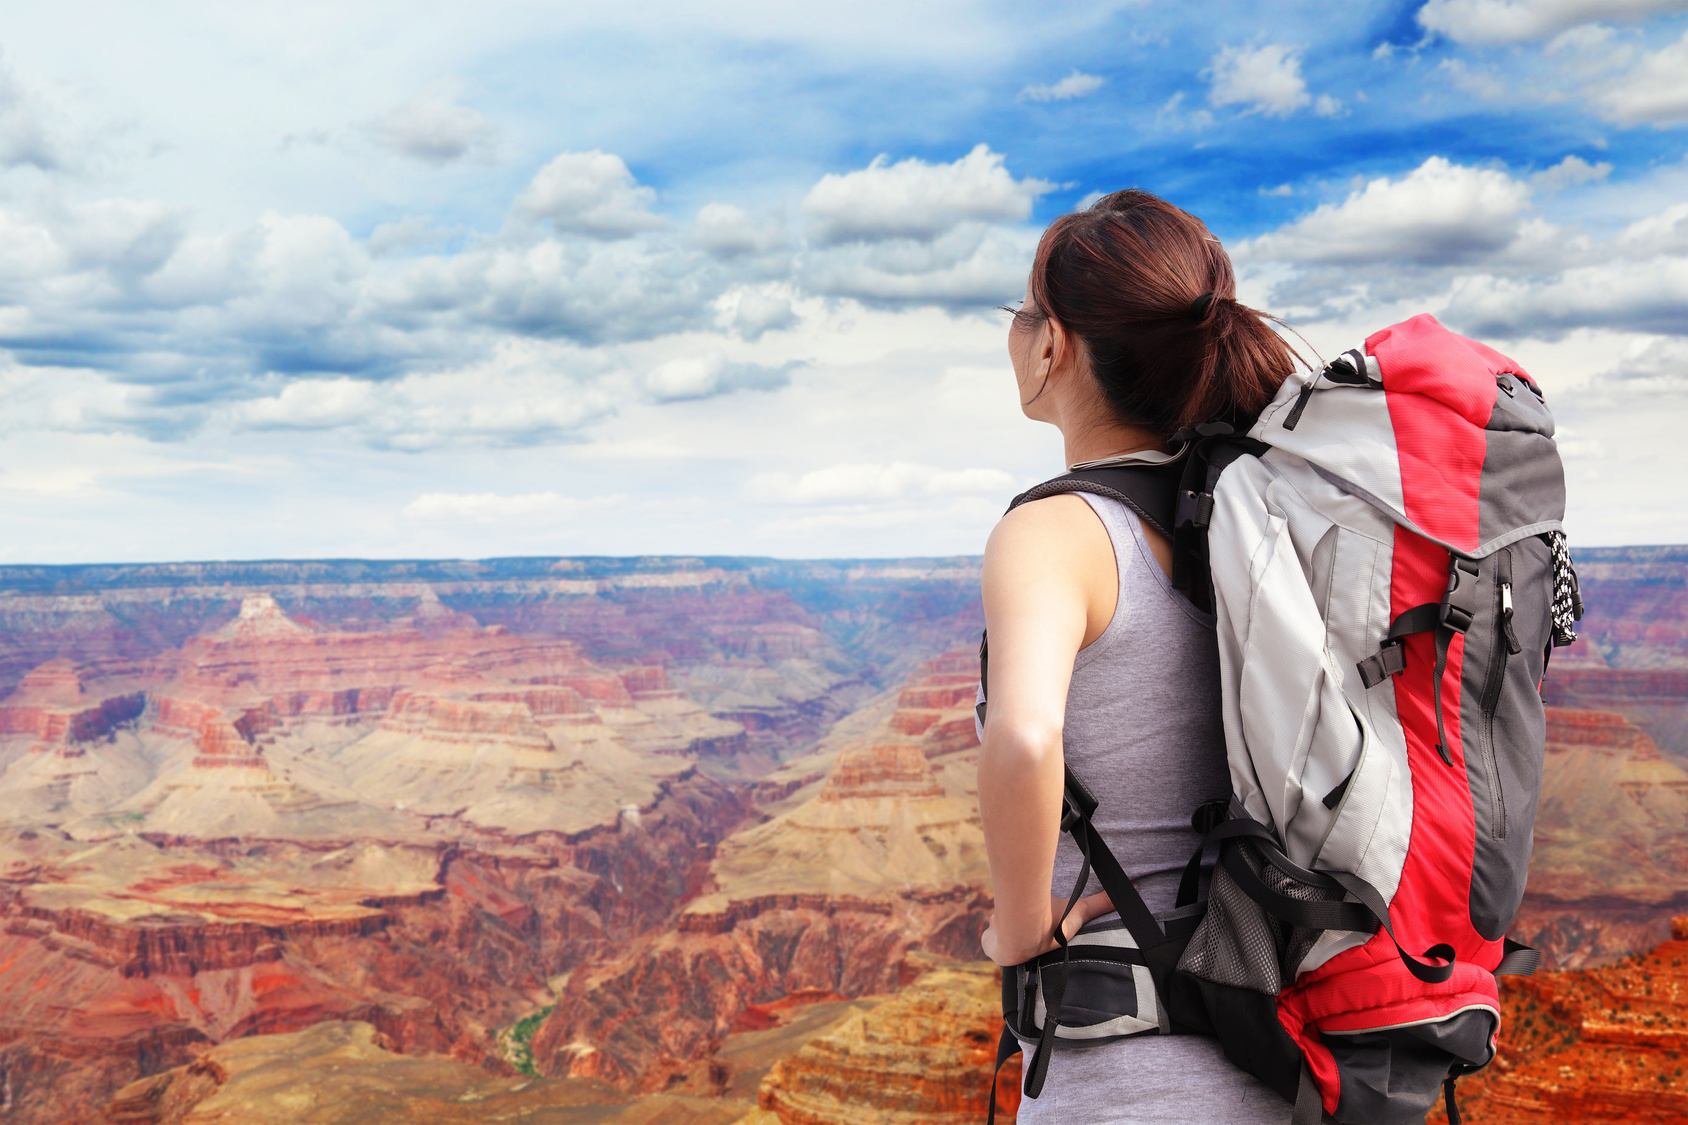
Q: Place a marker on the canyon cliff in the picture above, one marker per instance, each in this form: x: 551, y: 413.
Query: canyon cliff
x: 688, y: 840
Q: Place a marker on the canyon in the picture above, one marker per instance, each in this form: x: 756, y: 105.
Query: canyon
x: 689, y: 840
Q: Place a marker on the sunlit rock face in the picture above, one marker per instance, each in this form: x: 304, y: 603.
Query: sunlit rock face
x: 673, y: 835
x: 871, y: 851
x: 922, y: 1056
x: 1606, y: 1045
x: 240, y: 801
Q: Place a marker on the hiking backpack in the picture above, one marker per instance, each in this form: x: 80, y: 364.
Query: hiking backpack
x: 1384, y: 558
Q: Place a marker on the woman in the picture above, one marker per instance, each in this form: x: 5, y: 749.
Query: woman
x: 1129, y: 331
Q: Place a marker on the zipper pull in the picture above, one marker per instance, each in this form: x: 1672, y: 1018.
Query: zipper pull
x: 1512, y: 644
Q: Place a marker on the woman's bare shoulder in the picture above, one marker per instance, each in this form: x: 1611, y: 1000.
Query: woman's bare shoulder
x: 1057, y: 533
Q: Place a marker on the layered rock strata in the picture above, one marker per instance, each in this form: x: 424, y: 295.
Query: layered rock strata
x: 1608, y: 1045
x: 1610, y: 864
x: 922, y: 1056
x: 876, y: 856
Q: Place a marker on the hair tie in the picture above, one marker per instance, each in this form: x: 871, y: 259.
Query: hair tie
x: 1198, y: 307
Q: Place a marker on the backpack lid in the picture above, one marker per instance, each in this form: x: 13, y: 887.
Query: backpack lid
x: 1446, y: 436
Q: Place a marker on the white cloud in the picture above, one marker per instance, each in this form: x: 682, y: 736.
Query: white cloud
x: 590, y: 193
x: 972, y: 264
x: 23, y: 134
x: 525, y: 392
x: 705, y: 376
x: 749, y: 313
x: 1663, y: 233
x: 728, y: 232
x: 1464, y: 242
x: 1510, y: 21
x: 1075, y: 85
x: 1569, y: 172
x: 1653, y: 92
x: 916, y: 200
x: 433, y: 127
x: 869, y: 483
x: 1172, y: 116
x: 1439, y: 213
x: 1267, y: 79
x: 1327, y: 106
x: 486, y: 507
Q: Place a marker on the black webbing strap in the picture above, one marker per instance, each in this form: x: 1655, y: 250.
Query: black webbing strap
x: 1006, y: 1048
x: 1450, y: 1101
x: 1391, y: 657
x: 1138, y: 919
x: 1208, y: 816
x: 1078, y: 805
x: 1309, y: 1103
x: 1317, y: 914
x: 1364, y: 916
x: 1444, y: 638
x: 1517, y: 960
x: 1425, y: 971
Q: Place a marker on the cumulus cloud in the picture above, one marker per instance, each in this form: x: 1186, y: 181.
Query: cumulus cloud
x: 1267, y: 79
x: 749, y: 313
x: 912, y: 199
x: 1652, y: 92
x: 23, y: 134
x: 870, y: 483
x: 590, y: 193
x: 504, y: 402
x: 433, y: 127
x: 1489, y: 22
x: 729, y: 232
x: 1464, y: 242
x: 1075, y: 85
x: 293, y: 323
x: 1439, y: 213
x: 1569, y: 172
x: 972, y: 264
x: 705, y: 376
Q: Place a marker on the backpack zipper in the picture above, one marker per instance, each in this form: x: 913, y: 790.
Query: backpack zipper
x: 1504, y: 644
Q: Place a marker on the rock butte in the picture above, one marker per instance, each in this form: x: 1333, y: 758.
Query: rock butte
x: 413, y: 819
x: 682, y: 836
x: 872, y: 855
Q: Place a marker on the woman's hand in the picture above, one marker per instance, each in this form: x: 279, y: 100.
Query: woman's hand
x: 1085, y: 909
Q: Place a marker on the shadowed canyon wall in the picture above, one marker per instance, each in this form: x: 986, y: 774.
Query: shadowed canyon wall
x: 689, y: 840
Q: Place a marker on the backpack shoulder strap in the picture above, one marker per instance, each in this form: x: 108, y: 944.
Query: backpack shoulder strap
x: 1148, y: 490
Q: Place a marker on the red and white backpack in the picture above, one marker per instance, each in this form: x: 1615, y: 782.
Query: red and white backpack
x: 1384, y: 556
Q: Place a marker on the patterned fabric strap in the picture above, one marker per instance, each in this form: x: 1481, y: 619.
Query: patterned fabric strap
x: 1567, y: 600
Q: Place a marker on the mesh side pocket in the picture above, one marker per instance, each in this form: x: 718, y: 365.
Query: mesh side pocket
x: 1238, y: 943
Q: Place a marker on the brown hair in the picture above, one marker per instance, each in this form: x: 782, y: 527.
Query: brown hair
x: 1128, y: 277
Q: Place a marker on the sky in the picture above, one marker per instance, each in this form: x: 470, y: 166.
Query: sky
x: 382, y: 280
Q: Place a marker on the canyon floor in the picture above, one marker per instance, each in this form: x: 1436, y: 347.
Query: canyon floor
x: 688, y: 840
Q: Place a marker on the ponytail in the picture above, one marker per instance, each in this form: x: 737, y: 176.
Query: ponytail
x: 1152, y: 297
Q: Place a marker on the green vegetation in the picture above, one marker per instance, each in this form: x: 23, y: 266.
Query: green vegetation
x: 518, y: 1040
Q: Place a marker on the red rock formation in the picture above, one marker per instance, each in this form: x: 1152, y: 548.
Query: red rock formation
x: 881, y: 769
x: 1609, y: 1045
x: 246, y: 941
x: 921, y: 1056
x: 832, y: 895
x: 1611, y: 841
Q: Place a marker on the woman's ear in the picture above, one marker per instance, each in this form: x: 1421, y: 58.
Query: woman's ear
x: 1057, y: 350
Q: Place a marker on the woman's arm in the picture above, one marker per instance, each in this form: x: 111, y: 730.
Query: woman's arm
x: 1050, y: 586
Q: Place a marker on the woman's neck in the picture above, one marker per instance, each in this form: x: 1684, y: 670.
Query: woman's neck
x: 1094, y: 443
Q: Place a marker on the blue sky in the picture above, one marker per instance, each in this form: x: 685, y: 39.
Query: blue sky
x: 391, y: 280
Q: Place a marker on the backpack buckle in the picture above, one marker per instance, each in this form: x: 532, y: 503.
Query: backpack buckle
x: 1459, y: 604
x: 1195, y: 509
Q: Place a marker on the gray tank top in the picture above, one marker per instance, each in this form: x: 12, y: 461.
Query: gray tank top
x: 1143, y: 733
